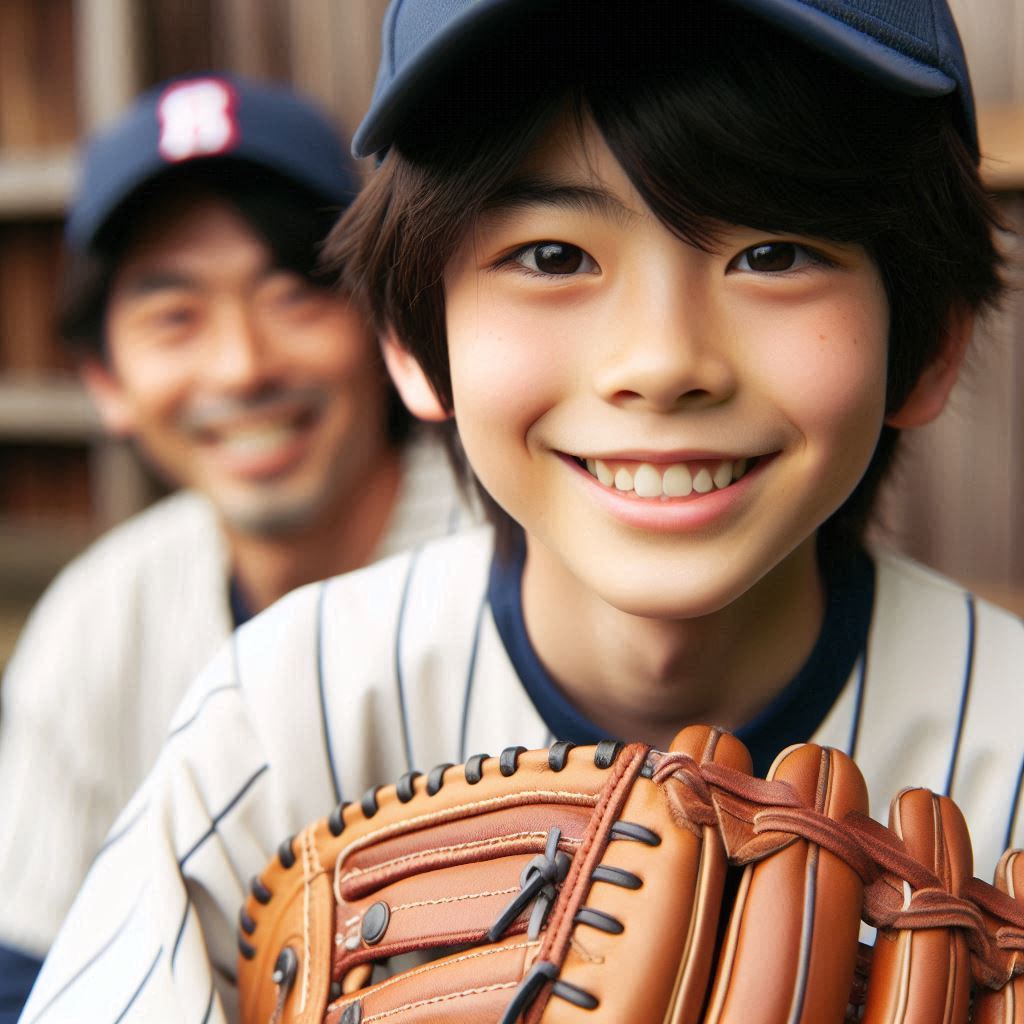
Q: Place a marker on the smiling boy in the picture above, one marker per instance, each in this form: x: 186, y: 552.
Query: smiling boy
x: 679, y: 273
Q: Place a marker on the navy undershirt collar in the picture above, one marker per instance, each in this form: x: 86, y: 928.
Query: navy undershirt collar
x: 792, y: 717
x: 240, y: 610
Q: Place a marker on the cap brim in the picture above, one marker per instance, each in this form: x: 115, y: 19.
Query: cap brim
x: 392, y: 100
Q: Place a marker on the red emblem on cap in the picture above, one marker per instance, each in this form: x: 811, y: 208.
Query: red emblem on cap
x: 197, y: 118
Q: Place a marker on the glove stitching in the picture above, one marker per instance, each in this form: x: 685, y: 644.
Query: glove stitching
x: 475, y: 954
x: 308, y: 855
x: 434, y: 851
x: 454, y: 899
x: 354, y: 874
x: 467, y: 810
x: 435, y: 1000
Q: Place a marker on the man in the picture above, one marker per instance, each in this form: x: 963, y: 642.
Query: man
x: 206, y: 334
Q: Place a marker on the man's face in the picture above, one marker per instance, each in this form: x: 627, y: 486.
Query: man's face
x: 669, y: 425
x: 239, y: 379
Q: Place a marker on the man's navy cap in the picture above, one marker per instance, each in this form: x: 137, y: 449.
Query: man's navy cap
x: 911, y: 46
x: 208, y: 117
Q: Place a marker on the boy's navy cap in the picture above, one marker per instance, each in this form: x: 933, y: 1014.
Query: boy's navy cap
x: 205, y: 117
x: 911, y: 46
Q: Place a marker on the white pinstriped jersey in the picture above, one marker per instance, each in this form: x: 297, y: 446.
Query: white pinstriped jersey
x: 350, y: 683
x: 103, y: 662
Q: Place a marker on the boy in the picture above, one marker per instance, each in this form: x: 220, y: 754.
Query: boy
x: 679, y: 273
x: 206, y: 335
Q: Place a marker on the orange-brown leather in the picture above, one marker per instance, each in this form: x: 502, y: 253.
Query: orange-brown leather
x: 792, y: 941
x: 630, y: 858
x: 669, y: 922
x: 1006, y: 1004
x: 923, y: 975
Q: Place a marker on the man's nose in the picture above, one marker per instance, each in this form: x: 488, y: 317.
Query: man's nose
x: 666, y: 349
x: 243, y: 357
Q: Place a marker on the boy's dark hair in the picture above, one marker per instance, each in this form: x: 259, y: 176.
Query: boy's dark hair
x: 292, y: 220
x: 725, y: 121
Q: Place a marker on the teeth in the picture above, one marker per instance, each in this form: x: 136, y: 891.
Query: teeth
x: 702, y: 482
x: 254, y: 441
x: 675, y: 481
x: 647, y: 482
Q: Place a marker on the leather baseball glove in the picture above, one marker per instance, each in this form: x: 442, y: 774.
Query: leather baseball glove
x: 620, y: 883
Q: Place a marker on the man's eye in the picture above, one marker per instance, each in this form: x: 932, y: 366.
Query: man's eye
x: 774, y: 257
x: 556, y: 258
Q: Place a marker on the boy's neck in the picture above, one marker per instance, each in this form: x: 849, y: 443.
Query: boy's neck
x: 643, y: 679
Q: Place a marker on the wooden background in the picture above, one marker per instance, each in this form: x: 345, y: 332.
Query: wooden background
x: 953, y: 502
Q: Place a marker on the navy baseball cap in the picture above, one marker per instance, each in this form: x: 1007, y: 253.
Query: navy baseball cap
x: 911, y: 46
x: 208, y: 117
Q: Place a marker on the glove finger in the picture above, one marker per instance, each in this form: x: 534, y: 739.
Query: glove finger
x: 1006, y: 1005
x: 791, y: 948
x: 669, y: 913
x: 920, y: 975
x: 284, y: 967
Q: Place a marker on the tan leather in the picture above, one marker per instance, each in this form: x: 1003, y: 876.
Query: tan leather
x: 1006, y: 1005
x: 923, y: 976
x: 572, y: 887
x: 792, y: 941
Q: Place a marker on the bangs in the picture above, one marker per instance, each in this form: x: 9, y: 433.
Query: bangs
x: 757, y: 130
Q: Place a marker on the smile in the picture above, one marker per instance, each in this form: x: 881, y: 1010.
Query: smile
x: 668, y: 480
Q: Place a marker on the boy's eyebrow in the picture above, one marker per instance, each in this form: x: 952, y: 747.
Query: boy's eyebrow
x: 559, y: 193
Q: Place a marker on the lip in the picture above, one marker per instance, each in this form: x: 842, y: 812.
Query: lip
x: 263, y: 462
x: 661, y: 458
x: 668, y: 515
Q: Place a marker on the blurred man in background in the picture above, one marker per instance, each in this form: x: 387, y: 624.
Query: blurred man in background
x: 204, y: 332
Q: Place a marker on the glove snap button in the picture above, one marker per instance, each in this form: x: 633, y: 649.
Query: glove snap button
x: 375, y: 923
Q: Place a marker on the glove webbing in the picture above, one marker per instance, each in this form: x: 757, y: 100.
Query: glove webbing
x: 756, y: 817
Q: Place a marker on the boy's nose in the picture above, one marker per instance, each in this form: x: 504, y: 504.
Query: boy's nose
x: 665, y: 361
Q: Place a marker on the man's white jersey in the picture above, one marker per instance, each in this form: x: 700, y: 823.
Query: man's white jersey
x: 101, y: 666
x: 348, y: 684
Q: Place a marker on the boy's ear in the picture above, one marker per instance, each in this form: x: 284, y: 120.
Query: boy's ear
x: 931, y: 392
x: 416, y: 390
x: 108, y: 396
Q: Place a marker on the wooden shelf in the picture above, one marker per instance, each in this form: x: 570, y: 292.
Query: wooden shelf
x: 1001, y: 129
x: 36, y: 184
x: 46, y: 409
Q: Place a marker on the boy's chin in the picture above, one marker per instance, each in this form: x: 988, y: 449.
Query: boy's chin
x: 671, y: 595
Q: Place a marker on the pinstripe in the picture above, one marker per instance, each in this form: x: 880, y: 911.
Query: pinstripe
x: 858, y: 707
x: 1014, y: 807
x: 116, y: 837
x: 217, y: 689
x: 320, y: 682
x: 209, y: 1005
x: 471, y: 675
x: 88, y: 963
x: 142, y: 985
x: 965, y: 693
x: 181, y: 931
x: 399, y: 681
x: 220, y: 816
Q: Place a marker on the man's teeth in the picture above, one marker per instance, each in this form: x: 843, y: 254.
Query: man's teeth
x: 257, y: 440
x: 675, y: 481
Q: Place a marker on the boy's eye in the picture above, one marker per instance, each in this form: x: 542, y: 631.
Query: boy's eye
x: 774, y: 257
x: 558, y: 258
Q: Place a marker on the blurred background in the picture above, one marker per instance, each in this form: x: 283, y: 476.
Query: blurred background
x: 67, y: 66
